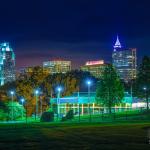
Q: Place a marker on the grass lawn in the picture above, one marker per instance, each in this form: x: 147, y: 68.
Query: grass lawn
x: 126, y: 115
x: 83, y: 136
x: 118, y: 116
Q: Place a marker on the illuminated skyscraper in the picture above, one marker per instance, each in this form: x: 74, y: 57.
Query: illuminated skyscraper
x: 57, y: 66
x: 125, y: 61
x: 7, y: 64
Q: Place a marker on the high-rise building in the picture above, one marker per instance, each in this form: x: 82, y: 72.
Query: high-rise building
x: 57, y: 66
x: 125, y: 61
x: 96, y: 68
x: 7, y: 64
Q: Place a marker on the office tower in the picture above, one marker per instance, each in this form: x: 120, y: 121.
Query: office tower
x: 125, y: 61
x: 7, y: 64
x: 57, y: 66
x: 96, y: 68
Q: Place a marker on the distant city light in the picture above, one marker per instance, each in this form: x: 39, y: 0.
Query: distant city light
x: 117, y: 44
x: 4, y: 44
x: 7, y: 49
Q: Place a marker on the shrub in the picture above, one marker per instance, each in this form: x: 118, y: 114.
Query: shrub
x: 69, y: 115
x: 63, y: 119
x: 146, y: 112
x: 47, y: 117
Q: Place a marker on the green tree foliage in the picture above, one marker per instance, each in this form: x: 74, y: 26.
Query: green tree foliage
x: 18, y: 110
x: 143, y: 80
x: 109, y: 90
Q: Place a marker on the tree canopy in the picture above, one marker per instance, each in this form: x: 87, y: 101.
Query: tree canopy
x: 110, y: 90
x: 26, y: 84
x: 143, y: 80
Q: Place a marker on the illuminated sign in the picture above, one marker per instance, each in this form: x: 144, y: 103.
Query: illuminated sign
x: 98, y: 62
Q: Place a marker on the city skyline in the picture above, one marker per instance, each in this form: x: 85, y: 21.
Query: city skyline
x: 73, y: 30
x: 75, y: 65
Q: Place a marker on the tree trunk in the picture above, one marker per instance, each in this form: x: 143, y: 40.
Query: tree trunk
x: 147, y: 102
x: 109, y: 109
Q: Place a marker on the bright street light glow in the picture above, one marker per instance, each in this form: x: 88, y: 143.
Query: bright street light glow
x: 22, y: 100
x: 89, y: 82
x: 59, y: 89
x: 36, y: 92
x: 12, y: 92
x: 145, y: 88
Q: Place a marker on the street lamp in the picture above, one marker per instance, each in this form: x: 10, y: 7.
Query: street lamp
x: 89, y: 85
x: 12, y: 100
x: 22, y: 101
x: 59, y: 89
x: 146, y: 96
x: 36, y: 95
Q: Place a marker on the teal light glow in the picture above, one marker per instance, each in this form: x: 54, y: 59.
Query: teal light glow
x: 59, y: 89
x: 36, y: 92
x: 12, y: 92
x: 22, y: 100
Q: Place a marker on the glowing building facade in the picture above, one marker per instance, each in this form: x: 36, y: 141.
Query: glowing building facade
x: 57, y: 66
x: 79, y: 103
x: 125, y: 61
x: 96, y: 68
x: 7, y: 64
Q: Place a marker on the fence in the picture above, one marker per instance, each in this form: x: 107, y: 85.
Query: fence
x: 98, y: 114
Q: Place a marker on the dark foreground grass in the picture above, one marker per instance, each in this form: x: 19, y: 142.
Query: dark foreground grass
x: 83, y: 136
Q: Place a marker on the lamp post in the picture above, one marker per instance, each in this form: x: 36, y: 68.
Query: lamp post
x: 146, y: 97
x: 131, y: 90
x: 36, y: 95
x: 41, y: 106
x: 59, y: 89
x: 89, y: 109
x: 78, y: 105
x: 12, y: 101
x: 22, y: 101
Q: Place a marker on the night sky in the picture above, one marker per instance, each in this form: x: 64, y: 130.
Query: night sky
x: 77, y: 30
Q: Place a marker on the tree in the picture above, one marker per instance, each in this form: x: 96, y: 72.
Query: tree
x: 37, y: 77
x: 26, y: 86
x: 142, y: 83
x: 71, y: 81
x: 18, y: 110
x: 109, y: 90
